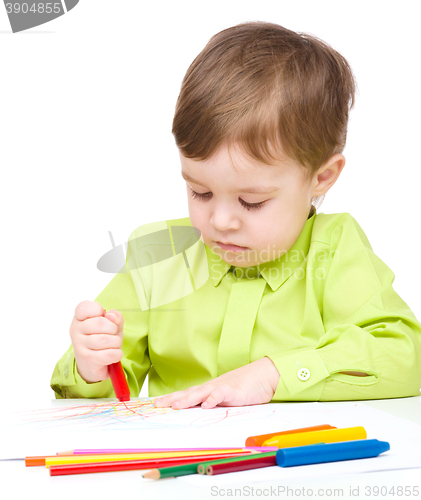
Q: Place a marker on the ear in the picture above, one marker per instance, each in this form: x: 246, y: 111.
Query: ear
x: 328, y: 174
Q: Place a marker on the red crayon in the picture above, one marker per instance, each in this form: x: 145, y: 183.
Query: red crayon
x: 118, y: 379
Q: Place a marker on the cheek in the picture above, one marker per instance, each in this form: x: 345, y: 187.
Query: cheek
x: 272, y: 230
x: 196, y: 215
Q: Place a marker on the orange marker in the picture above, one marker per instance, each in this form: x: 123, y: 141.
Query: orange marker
x: 259, y: 440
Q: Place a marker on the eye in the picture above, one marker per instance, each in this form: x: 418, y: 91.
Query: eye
x: 201, y: 196
x: 247, y: 206
x: 251, y: 206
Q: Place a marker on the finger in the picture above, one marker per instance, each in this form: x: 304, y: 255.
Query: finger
x: 88, y: 309
x: 100, y: 358
x: 217, y: 396
x: 167, y: 401
x: 193, y: 398
x: 116, y: 318
x: 102, y: 341
x: 97, y: 325
x: 97, y: 375
x: 157, y: 400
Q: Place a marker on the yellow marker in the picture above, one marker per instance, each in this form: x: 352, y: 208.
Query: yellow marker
x: 327, y: 436
x: 78, y: 459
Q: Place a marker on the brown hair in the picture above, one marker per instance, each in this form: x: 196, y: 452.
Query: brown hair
x: 263, y: 86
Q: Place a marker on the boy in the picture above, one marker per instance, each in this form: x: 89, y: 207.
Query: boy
x: 274, y: 302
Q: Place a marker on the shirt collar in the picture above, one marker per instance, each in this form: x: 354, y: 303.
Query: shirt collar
x: 275, y: 272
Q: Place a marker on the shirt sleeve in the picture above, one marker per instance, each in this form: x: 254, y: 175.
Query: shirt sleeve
x: 119, y: 294
x: 368, y: 329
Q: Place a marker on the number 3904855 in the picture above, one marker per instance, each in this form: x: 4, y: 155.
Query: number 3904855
x: 35, y: 8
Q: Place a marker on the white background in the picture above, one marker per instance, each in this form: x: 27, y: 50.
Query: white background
x: 86, y: 108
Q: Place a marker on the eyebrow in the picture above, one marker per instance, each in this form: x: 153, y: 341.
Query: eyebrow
x: 253, y: 189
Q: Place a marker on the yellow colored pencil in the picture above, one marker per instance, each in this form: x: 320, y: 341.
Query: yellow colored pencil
x: 326, y: 436
x: 78, y: 459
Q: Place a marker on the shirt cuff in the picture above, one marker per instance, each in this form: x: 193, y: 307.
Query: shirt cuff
x: 74, y: 386
x: 302, y: 375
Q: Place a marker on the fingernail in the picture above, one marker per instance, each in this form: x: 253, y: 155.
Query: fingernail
x: 112, y: 316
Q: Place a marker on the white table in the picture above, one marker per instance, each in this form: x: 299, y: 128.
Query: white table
x: 35, y: 482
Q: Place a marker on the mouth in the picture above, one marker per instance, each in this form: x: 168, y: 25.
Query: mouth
x: 231, y: 248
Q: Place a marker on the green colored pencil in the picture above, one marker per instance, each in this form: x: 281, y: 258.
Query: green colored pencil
x: 178, y: 470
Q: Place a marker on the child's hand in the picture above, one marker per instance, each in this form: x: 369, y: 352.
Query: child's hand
x: 96, y: 339
x: 249, y: 385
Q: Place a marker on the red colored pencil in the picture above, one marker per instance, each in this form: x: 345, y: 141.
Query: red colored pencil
x: 253, y: 463
x: 259, y: 440
x: 87, y: 468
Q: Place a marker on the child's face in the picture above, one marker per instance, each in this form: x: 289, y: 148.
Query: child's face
x: 222, y: 215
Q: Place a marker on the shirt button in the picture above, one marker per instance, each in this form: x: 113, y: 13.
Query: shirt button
x: 66, y: 371
x: 303, y: 374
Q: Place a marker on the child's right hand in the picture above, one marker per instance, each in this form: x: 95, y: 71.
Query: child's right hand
x: 96, y: 339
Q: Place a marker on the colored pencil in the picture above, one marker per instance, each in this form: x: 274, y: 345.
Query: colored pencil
x: 327, y: 436
x: 88, y: 468
x: 201, y: 468
x: 181, y: 470
x: 223, y: 468
x: 194, y: 467
x: 75, y: 459
x: 37, y: 460
x: 155, y: 450
x: 259, y: 440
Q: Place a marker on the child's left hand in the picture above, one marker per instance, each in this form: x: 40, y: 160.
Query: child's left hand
x: 252, y: 384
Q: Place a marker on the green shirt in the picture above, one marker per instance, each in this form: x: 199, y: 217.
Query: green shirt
x: 324, y: 307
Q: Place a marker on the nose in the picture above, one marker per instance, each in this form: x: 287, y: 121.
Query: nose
x: 224, y: 219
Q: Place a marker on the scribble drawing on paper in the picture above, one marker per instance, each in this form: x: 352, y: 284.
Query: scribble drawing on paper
x: 137, y: 415
x: 99, y: 415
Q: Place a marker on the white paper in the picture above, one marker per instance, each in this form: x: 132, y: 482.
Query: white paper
x: 86, y: 424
